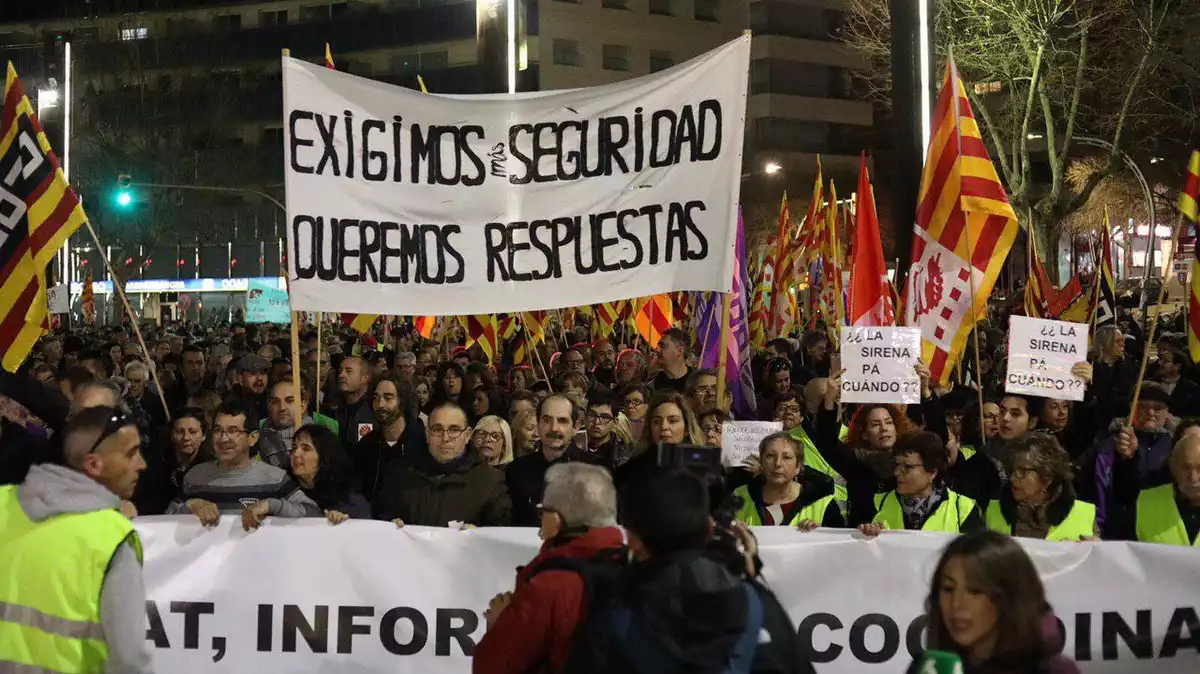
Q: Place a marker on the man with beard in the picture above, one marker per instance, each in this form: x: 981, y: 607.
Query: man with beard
x: 355, y: 417
x: 526, y: 476
x: 397, y: 438
x: 251, y: 387
x: 604, y: 361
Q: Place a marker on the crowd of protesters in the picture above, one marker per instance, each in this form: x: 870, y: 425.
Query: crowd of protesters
x: 400, y: 428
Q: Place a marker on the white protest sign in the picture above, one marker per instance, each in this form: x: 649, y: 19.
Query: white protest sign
x: 58, y: 297
x: 880, y: 365
x: 220, y: 601
x: 1041, y: 354
x: 406, y: 203
x: 739, y: 439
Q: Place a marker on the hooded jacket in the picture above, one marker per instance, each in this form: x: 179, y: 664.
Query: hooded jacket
x: 546, y: 607
x: 51, y: 489
x: 430, y: 494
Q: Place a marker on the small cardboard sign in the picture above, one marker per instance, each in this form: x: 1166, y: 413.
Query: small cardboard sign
x: 59, y: 299
x: 739, y: 439
x: 880, y: 365
x: 1041, y: 354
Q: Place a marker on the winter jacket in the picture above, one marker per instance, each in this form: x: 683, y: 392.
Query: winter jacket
x: 526, y: 479
x: 816, y: 487
x: 51, y: 489
x: 22, y: 446
x: 536, y: 628
x: 1116, y: 481
x: 374, y: 457
x: 466, y: 490
x: 355, y: 421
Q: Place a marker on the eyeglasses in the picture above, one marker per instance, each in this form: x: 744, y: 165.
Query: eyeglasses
x: 905, y: 468
x: 228, y: 432
x: 488, y: 435
x: 115, y: 423
x: 606, y: 418
x: 634, y: 402
x: 788, y: 409
x: 711, y: 428
x: 449, y: 433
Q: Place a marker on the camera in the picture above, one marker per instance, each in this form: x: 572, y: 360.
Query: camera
x: 704, y: 463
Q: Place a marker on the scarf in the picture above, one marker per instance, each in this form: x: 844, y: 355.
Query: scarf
x: 917, y: 509
x: 1033, y: 520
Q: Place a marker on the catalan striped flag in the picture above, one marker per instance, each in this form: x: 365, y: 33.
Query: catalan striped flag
x: 535, y: 325
x: 87, y: 301
x: 1189, y: 205
x: 964, y: 230
x: 38, y: 213
x: 653, y: 317
x: 605, y: 316
x: 1037, y: 281
x: 482, y: 329
x: 1104, y: 312
x: 683, y: 310
x: 360, y: 322
x: 758, y: 302
x: 424, y: 325
x: 329, y: 58
x: 783, y: 303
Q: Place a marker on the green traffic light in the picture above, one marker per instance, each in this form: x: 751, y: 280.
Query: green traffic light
x: 124, y: 198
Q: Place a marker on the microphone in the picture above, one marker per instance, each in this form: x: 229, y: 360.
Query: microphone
x: 940, y: 662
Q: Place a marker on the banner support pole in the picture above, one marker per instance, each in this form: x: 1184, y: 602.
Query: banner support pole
x: 297, y: 418
x: 1162, y: 292
x: 133, y: 319
x: 723, y: 357
x: 320, y: 370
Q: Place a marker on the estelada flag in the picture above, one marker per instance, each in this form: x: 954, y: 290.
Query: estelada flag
x: 38, y: 213
x: 964, y: 230
x: 1105, y: 310
x: 870, y: 295
x: 1189, y: 205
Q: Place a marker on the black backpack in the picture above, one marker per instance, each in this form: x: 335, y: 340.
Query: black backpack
x: 595, y: 649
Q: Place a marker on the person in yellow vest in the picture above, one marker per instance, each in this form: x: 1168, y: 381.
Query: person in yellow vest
x: 921, y: 500
x: 1170, y: 513
x: 71, y: 593
x: 785, y: 493
x: 1040, y: 501
x: 789, y: 411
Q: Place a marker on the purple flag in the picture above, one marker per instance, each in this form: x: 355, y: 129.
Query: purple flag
x: 737, y: 363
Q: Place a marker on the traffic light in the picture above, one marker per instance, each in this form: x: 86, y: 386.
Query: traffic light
x: 124, y: 195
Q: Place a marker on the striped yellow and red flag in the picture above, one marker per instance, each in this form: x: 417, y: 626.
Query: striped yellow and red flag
x: 653, y: 317
x: 964, y: 230
x: 424, y: 325
x: 360, y: 322
x: 535, y: 325
x: 482, y: 329
x: 606, y: 316
x: 1037, y: 281
x: 783, y: 303
x: 758, y: 302
x: 40, y: 212
x: 683, y: 309
x: 87, y: 300
x: 329, y: 58
x: 1189, y: 205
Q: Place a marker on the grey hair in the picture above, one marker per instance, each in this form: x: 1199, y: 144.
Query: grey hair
x: 406, y: 356
x: 582, y: 494
x: 135, y: 365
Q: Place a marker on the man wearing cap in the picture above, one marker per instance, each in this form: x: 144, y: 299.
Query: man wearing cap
x: 71, y: 595
x: 1131, y: 459
x: 251, y: 387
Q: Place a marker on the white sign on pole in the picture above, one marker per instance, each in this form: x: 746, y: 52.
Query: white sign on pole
x: 1041, y: 354
x: 219, y: 601
x: 880, y: 365
x: 406, y: 203
x: 739, y: 439
x: 59, y: 299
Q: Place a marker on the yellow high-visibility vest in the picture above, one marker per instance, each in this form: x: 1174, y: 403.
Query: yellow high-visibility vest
x: 53, y: 572
x: 1158, y: 518
x: 1079, y: 523
x: 814, y: 460
x: 814, y: 511
x: 950, y: 515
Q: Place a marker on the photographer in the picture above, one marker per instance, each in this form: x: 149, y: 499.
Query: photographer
x: 681, y: 605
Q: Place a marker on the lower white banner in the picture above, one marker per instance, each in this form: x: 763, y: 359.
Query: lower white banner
x: 302, y: 596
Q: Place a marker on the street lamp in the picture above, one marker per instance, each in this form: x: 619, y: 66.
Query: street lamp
x: 771, y: 168
x: 48, y: 98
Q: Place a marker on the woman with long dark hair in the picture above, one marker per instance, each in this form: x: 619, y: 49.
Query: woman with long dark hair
x: 324, y: 472
x: 987, y: 605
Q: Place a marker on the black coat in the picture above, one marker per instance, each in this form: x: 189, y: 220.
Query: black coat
x: 374, y: 459
x: 526, y: 479
x: 472, y: 492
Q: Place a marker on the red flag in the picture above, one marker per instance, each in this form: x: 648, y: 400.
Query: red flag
x: 870, y: 296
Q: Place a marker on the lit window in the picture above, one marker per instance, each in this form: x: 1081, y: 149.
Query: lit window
x: 138, y: 33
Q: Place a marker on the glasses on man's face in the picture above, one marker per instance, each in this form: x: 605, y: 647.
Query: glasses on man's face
x: 706, y: 390
x: 228, y: 432
x: 789, y: 409
x: 602, y: 418
x: 494, y: 436
x: 634, y: 402
x: 448, y: 432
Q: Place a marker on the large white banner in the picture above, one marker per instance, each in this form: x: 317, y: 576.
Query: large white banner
x: 302, y: 596
x: 406, y: 203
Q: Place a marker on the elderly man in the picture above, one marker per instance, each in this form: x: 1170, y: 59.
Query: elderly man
x: 406, y: 364
x: 534, y: 624
x: 1170, y: 513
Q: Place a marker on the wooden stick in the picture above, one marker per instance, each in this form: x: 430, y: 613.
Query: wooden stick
x: 133, y: 319
x: 297, y: 418
x: 1162, y: 292
x: 722, y: 359
x: 320, y: 370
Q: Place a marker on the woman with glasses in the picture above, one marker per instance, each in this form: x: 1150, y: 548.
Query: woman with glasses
x: 921, y: 500
x: 1040, y: 500
x: 492, y: 439
x: 323, y: 470
x: 634, y: 402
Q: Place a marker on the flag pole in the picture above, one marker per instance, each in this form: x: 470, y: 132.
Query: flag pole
x: 133, y: 319
x: 723, y: 357
x: 1162, y: 292
x: 1099, y: 265
x: 295, y: 334
x: 320, y: 370
x: 533, y: 347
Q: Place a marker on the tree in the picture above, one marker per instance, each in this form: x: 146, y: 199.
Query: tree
x: 1043, y: 74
